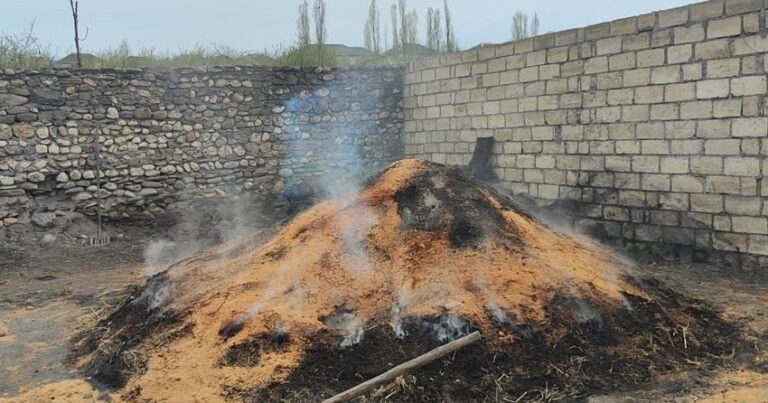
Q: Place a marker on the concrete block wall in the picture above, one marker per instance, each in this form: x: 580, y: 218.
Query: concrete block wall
x: 657, y: 125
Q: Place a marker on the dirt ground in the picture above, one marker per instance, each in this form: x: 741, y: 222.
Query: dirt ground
x: 50, y: 290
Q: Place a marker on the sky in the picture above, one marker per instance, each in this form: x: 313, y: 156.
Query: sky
x: 256, y: 25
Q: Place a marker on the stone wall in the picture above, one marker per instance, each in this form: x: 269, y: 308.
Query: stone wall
x: 176, y: 134
x: 655, y: 125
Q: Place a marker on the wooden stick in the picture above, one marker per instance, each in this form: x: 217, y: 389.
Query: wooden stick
x: 404, y: 368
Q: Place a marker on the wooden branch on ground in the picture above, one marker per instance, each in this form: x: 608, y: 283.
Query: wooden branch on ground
x: 404, y: 368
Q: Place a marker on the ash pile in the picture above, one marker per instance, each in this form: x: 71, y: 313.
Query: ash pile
x: 355, y: 285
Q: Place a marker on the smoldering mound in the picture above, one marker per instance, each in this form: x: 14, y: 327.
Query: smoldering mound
x: 356, y: 285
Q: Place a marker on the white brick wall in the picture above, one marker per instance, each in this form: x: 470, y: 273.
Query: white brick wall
x: 668, y: 110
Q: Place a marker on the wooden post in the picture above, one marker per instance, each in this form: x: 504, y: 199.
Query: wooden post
x: 404, y: 368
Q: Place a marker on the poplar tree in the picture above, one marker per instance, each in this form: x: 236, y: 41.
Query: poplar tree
x: 395, y: 36
x: 320, y: 29
x: 372, y: 32
x: 302, y: 25
x: 450, y: 39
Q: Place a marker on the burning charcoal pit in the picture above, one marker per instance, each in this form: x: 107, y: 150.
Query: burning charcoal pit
x: 444, y: 255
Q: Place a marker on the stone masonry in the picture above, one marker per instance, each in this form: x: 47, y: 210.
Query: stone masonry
x: 656, y: 125
x: 172, y: 135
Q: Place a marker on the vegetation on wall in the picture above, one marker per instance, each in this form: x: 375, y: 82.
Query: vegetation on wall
x: 24, y: 50
x: 398, y: 46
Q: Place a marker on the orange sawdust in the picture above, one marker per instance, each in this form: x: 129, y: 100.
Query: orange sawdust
x: 356, y: 252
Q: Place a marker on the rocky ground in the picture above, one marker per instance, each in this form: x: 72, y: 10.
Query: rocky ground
x: 52, y: 285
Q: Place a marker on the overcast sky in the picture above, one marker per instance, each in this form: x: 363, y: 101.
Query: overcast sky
x: 256, y: 25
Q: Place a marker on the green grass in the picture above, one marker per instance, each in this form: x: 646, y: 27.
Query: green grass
x: 199, y: 56
x: 307, y: 56
x: 25, y: 51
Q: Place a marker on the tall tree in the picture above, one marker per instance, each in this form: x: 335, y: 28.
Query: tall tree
x: 75, y: 6
x: 372, y: 33
x: 401, y: 6
x: 320, y: 29
x: 434, y: 29
x: 430, y: 28
x: 302, y: 25
x: 395, y: 36
x: 519, y: 26
x: 450, y: 39
x: 523, y: 28
x: 535, y: 25
x: 412, y: 23
x: 385, y: 45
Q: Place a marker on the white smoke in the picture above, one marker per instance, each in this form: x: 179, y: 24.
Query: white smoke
x: 283, y: 279
x: 341, y: 169
x: 450, y: 327
x: 499, y: 315
x: 349, y: 325
x: 200, y: 226
x: 155, y: 256
x: 585, y: 312
x: 405, y: 297
x: 627, y: 302
x: 353, y: 231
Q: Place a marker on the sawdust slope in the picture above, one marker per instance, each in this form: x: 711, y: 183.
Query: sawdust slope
x: 357, y: 253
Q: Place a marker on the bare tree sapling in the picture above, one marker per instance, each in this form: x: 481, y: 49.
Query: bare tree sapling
x: 75, y: 6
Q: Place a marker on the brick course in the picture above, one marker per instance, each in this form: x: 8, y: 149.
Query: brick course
x: 658, y: 124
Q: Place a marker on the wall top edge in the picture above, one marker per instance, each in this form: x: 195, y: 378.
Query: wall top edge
x: 648, y: 22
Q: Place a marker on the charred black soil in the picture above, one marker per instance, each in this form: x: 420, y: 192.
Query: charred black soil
x: 575, y: 352
x: 248, y: 353
x: 114, y: 347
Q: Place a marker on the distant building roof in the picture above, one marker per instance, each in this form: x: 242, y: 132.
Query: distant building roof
x: 70, y: 60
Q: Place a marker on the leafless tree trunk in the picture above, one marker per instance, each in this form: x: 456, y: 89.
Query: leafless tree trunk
x: 74, y: 5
